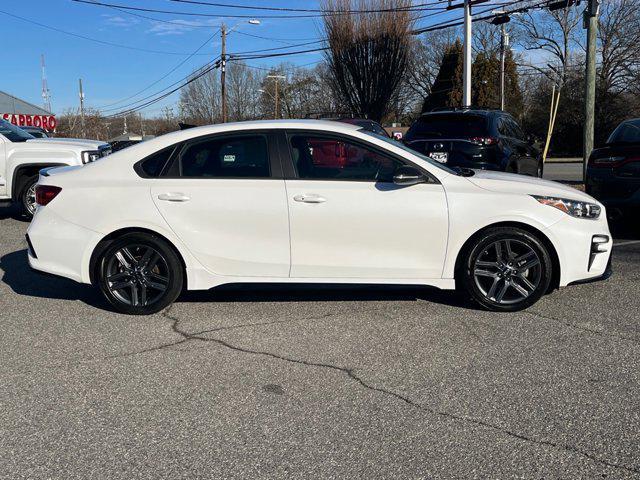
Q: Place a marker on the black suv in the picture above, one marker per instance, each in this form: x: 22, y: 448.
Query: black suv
x: 475, y: 138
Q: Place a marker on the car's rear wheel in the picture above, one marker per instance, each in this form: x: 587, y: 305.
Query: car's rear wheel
x: 139, y: 274
x: 506, y: 269
x: 28, y: 196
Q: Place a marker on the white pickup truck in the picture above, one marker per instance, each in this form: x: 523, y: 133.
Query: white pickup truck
x: 22, y: 156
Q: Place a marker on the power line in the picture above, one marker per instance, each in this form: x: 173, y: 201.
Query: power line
x: 277, y: 48
x: 206, y: 66
x: 165, y: 95
x: 307, y: 10
x: 218, y: 15
x: 455, y: 23
x: 84, y: 37
x: 165, y: 75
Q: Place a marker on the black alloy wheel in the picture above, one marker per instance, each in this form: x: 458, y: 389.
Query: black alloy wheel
x: 140, y: 274
x: 507, y: 269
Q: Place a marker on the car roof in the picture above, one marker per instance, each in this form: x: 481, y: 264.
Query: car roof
x: 260, y: 125
x: 465, y: 111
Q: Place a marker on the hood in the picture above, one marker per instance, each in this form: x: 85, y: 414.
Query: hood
x: 89, y: 144
x: 514, y: 183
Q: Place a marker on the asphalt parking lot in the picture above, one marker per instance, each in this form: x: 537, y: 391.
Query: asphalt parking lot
x: 318, y: 383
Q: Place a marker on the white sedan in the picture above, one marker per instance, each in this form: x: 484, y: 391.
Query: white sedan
x: 313, y: 202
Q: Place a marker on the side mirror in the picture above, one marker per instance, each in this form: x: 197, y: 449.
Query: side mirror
x: 406, y: 176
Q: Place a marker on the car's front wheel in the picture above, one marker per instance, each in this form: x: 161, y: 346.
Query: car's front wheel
x: 139, y: 274
x: 506, y: 269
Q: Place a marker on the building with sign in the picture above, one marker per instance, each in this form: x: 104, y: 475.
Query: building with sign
x: 21, y: 113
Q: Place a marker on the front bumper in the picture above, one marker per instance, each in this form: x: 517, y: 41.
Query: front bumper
x: 605, y: 276
x: 583, y: 247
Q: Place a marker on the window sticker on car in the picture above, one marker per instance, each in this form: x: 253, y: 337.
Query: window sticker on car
x: 229, y: 158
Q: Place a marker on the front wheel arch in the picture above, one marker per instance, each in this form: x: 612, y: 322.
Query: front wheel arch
x: 555, y: 260
x: 110, y: 238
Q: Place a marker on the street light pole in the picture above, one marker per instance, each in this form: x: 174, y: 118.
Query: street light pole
x: 504, y: 43
x: 223, y: 69
x: 223, y: 63
x: 466, y: 74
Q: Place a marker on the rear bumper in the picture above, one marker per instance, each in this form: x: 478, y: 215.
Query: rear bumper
x: 612, y: 190
x: 59, y: 247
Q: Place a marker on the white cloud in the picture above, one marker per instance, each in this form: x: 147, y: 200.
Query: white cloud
x: 179, y: 27
x: 119, y: 21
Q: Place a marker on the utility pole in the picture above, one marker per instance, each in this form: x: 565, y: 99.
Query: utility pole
x: 466, y: 74
x: 590, y: 22
x: 276, y: 113
x: 82, y: 125
x: 223, y: 70
x: 504, y: 43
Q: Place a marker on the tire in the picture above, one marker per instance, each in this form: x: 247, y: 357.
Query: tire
x: 139, y: 274
x: 505, y: 269
x: 27, y: 197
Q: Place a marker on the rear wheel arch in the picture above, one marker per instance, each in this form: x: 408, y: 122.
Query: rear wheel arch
x: 104, y: 244
x: 555, y: 260
x: 24, y: 172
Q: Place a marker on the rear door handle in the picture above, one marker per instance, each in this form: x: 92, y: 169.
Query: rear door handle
x: 174, y: 197
x: 309, y: 198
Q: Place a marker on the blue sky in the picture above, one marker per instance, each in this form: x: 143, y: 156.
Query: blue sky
x: 111, y: 73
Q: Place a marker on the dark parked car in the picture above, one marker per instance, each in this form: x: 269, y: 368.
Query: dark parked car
x: 475, y: 138
x: 613, y: 171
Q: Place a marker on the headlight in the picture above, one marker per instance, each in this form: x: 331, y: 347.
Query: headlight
x: 90, y: 156
x: 575, y: 208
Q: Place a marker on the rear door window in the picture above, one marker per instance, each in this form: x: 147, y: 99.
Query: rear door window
x: 226, y: 157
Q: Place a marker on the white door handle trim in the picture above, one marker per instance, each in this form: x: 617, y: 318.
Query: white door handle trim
x: 309, y: 198
x: 174, y: 197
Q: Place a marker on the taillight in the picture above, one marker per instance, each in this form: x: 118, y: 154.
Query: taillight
x: 46, y: 193
x: 484, y: 140
x: 611, y: 161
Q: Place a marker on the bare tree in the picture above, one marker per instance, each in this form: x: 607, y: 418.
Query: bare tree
x: 551, y: 32
x: 619, y: 38
x: 243, y: 88
x: 425, y: 60
x: 368, y: 52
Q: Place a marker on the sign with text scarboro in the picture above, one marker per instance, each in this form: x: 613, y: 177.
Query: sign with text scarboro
x: 48, y: 122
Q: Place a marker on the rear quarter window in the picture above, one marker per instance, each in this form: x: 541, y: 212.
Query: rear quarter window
x: 152, y: 166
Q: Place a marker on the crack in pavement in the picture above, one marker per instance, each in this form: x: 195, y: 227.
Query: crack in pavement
x: 581, y: 328
x: 351, y: 374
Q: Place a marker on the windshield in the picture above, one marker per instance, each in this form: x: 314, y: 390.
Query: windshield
x: 395, y: 143
x: 13, y: 133
x: 445, y: 125
x: 626, y: 132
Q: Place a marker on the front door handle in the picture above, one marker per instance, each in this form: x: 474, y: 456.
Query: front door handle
x: 309, y: 198
x: 174, y: 197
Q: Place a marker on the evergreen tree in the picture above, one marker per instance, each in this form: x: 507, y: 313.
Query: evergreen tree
x: 446, y: 90
x: 485, y: 81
